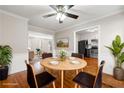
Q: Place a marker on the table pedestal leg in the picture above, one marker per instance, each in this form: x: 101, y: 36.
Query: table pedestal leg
x: 76, y: 72
x: 62, y: 75
x: 82, y: 70
x: 43, y: 68
x: 54, y: 84
x: 76, y: 83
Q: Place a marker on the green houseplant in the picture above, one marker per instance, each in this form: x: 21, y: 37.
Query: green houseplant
x: 38, y: 51
x: 5, y: 60
x: 117, y: 51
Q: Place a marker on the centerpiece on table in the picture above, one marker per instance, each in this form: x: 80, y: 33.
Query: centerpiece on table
x: 63, y: 54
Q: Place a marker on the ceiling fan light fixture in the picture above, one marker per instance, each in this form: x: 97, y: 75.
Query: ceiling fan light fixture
x: 61, y: 12
x: 60, y: 16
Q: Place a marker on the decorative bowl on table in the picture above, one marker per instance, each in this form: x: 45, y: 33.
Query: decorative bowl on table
x: 75, y: 62
x: 54, y: 62
x: 72, y: 58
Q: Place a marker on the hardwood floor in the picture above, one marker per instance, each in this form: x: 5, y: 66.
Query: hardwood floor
x: 18, y: 80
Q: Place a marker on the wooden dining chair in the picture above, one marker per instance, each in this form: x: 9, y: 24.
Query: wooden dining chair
x: 38, y: 80
x: 77, y: 55
x: 90, y: 81
x: 31, y: 55
x: 46, y: 55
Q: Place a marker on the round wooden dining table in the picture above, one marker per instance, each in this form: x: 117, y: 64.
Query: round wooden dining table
x: 67, y: 64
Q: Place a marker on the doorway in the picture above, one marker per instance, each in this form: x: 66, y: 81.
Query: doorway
x: 86, y: 42
x: 40, y: 41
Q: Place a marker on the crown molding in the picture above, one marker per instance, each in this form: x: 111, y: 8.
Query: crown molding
x: 39, y: 29
x: 14, y: 15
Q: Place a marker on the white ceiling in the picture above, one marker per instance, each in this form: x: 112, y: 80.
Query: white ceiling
x: 35, y: 12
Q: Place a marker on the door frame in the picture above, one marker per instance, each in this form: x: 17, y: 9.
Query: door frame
x: 99, y: 30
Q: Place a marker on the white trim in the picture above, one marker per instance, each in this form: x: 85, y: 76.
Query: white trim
x: 87, y: 28
x: 99, y: 41
x: 40, y: 35
x: 39, y: 29
x: 74, y: 42
x: 95, y: 19
x: 14, y: 15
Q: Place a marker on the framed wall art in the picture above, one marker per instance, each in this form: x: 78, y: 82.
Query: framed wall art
x: 62, y: 43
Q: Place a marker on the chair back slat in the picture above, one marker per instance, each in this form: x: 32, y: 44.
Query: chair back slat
x: 30, y: 76
x: 77, y: 55
x: 31, y: 55
x: 98, y: 79
x: 46, y: 55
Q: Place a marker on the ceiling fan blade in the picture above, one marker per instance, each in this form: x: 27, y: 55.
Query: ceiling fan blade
x: 71, y: 15
x: 49, y: 15
x: 69, y: 6
x: 54, y: 7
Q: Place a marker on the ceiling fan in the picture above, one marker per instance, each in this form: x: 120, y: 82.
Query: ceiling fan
x: 61, y: 12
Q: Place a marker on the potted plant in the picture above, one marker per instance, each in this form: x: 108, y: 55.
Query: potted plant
x: 63, y: 55
x: 117, y: 51
x: 38, y: 51
x: 5, y: 60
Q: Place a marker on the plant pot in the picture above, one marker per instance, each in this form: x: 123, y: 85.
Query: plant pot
x: 118, y: 73
x: 63, y: 58
x: 3, y: 72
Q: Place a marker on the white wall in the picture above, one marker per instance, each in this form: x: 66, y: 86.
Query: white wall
x: 0, y: 30
x: 110, y: 27
x: 70, y: 36
x: 14, y: 33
